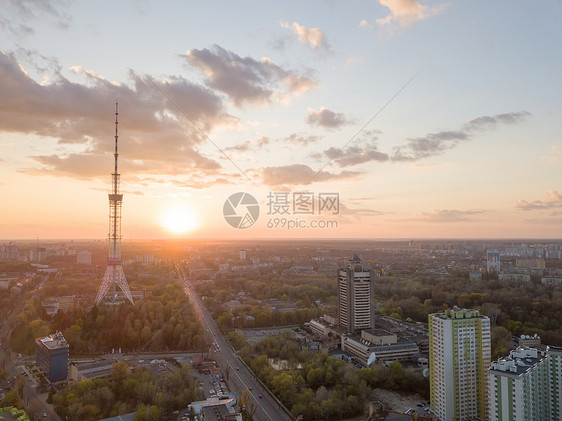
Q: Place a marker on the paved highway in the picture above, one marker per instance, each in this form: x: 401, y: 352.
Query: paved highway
x: 240, y: 377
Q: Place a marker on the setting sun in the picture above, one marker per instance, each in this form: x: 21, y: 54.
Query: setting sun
x: 178, y: 220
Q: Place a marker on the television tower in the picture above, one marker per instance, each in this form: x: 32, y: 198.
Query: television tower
x: 114, y: 274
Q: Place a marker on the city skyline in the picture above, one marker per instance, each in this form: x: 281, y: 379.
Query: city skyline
x: 427, y: 119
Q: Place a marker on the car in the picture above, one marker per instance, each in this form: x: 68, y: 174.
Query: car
x: 44, y: 414
x: 250, y: 388
x: 420, y: 404
x: 259, y: 396
x: 237, y: 368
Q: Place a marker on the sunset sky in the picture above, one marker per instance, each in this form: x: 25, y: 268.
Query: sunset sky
x: 429, y: 119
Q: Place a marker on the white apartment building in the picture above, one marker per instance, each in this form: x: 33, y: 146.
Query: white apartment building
x: 459, y: 355
x: 526, y: 385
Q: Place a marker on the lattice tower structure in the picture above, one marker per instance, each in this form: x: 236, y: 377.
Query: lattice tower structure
x: 114, y: 274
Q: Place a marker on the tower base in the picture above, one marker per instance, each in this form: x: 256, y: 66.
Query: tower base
x: 114, y: 275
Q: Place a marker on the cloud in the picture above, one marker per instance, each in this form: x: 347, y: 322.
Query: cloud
x: 299, y: 174
x: 358, y: 212
x: 555, y: 154
x: 355, y: 155
x: 544, y: 221
x: 18, y: 15
x: 299, y: 140
x: 430, y: 145
x: 490, y: 122
x: 314, y: 37
x: 326, y: 118
x: 553, y: 200
x: 246, y: 80
x: 434, y: 144
x: 406, y: 12
x: 365, y: 25
x: 154, y: 134
x: 449, y: 215
x: 293, y: 140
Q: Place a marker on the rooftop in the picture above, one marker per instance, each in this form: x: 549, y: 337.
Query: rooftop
x: 459, y: 313
x: 519, y: 362
x: 53, y: 341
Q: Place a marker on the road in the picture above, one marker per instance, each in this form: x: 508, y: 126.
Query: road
x: 240, y: 377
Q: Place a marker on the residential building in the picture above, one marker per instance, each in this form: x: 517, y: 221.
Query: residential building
x: 459, y: 355
x: 514, y: 277
x: 84, y: 258
x: 554, y: 355
x: 356, y: 296
x: 9, y: 252
x: 535, y: 263
x: 526, y: 385
x: 52, y: 356
x: 37, y: 254
x: 493, y: 261
x: 551, y: 281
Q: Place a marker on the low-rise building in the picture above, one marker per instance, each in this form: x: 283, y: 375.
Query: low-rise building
x: 551, y: 281
x: 90, y: 370
x: 527, y: 341
x: 514, y: 277
x: 377, y: 345
x: 84, y: 258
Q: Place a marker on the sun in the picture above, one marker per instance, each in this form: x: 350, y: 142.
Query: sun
x: 178, y: 220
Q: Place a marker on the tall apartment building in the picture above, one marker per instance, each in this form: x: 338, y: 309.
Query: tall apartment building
x: 493, y: 261
x: 459, y: 356
x: 356, y: 296
x: 37, y: 254
x: 526, y: 385
x: 9, y: 252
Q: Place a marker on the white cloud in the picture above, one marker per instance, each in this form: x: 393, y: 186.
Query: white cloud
x: 406, y: 12
x: 314, y: 37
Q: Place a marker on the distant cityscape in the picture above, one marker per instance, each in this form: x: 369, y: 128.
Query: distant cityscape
x: 467, y: 363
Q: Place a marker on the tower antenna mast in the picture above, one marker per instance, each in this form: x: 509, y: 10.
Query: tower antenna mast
x: 114, y: 274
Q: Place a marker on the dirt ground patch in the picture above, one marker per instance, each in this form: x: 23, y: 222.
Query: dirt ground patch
x: 396, y: 401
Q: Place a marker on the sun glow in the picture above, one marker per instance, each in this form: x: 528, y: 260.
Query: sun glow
x: 178, y: 220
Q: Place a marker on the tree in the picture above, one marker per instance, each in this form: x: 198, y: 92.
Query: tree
x: 491, y: 310
x: 119, y: 371
x: 147, y: 413
x: 501, y: 339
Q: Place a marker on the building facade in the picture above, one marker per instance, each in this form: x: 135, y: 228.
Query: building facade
x: 52, y: 356
x: 526, y: 385
x: 518, y: 386
x: 84, y: 258
x: 37, y: 254
x: 356, y: 296
x: 459, y: 355
x: 377, y: 346
x: 493, y: 261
